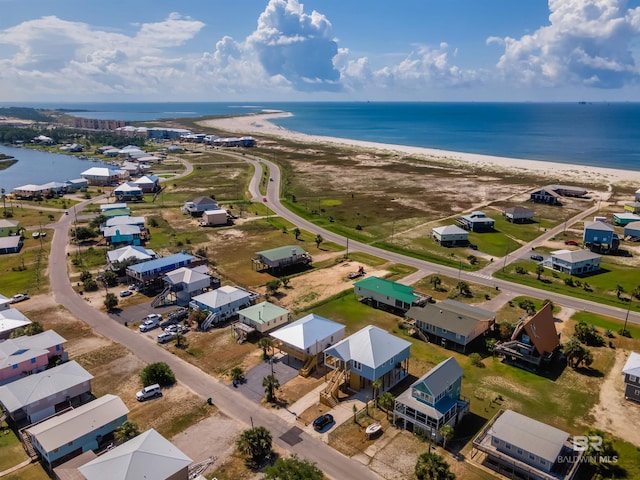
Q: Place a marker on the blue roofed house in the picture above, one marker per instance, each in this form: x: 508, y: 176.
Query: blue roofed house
x: 631, y: 371
x: 151, y: 270
x: 88, y: 427
x: 432, y: 401
x: 360, y: 359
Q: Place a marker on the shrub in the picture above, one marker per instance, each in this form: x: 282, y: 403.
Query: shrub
x: 159, y: 373
x: 90, y: 285
x: 521, y: 270
x: 476, y: 360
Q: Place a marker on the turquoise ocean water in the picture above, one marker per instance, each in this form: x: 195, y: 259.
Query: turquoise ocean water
x: 593, y: 134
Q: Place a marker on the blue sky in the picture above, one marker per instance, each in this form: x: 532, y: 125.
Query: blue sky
x: 260, y: 50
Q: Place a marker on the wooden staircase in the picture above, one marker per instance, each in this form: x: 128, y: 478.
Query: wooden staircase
x: 308, y: 366
x: 28, y: 446
x: 159, y: 300
x: 329, y: 396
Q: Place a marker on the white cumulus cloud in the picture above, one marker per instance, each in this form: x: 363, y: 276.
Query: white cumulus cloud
x: 587, y: 42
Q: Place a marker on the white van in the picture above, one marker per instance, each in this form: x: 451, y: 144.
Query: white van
x: 149, y: 392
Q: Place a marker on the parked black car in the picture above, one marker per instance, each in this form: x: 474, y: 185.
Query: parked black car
x: 322, y: 421
x: 537, y: 258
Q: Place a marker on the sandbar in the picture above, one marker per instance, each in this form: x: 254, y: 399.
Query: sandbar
x: 259, y: 124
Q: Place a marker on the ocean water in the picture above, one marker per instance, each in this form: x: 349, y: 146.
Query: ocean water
x: 39, y: 167
x: 594, y: 134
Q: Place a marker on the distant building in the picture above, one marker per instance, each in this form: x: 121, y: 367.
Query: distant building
x: 518, y: 214
x: 632, y: 231
x: 264, y: 316
x: 222, y: 303
x: 450, y: 236
x: 574, y: 262
x: 9, y: 227
x: 625, y: 218
x: 545, y: 195
x: 11, y: 319
x: 148, y: 183
x: 476, y: 222
x: 281, y: 257
x: 385, y: 294
x: 26, y: 355
x: 11, y: 244
x: 103, y: 176
x: 151, y: 270
x: 133, y: 254
x: 601, y: 237
x: 128, y: 191
x: 199, y: 205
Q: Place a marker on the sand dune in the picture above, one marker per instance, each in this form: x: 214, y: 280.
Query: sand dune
x: 259, y: 124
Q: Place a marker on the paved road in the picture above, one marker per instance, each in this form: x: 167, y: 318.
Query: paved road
x: 482, y: 277
x: 229, y: 401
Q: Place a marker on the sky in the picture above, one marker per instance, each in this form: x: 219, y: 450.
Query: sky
x: 319, y: 50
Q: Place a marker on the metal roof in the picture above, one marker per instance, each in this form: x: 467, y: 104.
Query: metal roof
x: 574, y: 256
x: 280, y: 253
x: 535, y: 437
x: 185, y: 275
x: 28, y: 390
x: 147, y: 456
x: 370, y: 346
x: 632, y: 366
x: 58, y: 431
x: 450, y: 230
x: 130, y: 251
x: 12, y: 241
x: 121, y: 230
x: 436, y: 380
x: 101, y: 172
x: 10, y: 319
x: 15, y: 350
x: 306, y: 331
x: 451, y: 315
x: 388, y: 288
x: 263, y: 312
x: 159, y: 263
x: 221, y: 296
x: 599, y: 225
x: 124, y: 220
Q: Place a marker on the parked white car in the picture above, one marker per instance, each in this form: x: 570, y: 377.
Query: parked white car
x: 150, y: 322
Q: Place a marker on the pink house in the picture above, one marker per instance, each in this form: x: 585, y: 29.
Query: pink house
x: 25, y: 355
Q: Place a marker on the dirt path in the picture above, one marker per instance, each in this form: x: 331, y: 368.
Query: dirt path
x: 613, y: 413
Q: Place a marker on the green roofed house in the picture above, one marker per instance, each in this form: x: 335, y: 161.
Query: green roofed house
x: 264, y: 316
x: 281, y: 257
x: 387, y: 295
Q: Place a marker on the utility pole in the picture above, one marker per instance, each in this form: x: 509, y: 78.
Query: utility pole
x: 626, y: 318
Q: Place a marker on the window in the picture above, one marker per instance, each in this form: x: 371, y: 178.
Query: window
x: 532, y: 456
x: 15, y: 365
x: 33, y: 360
x: 357, y: 365
x: 633, y: 378
x: 57, y: 348
x: 542, y: 462
x: 519, y: 451
x: 507, y: 446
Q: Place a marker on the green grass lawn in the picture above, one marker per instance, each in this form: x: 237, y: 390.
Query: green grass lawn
x: 25, y: 272
x: 448, y: 289
x: 30, y: 472
x: 11, y: 451
x: 601, y: 287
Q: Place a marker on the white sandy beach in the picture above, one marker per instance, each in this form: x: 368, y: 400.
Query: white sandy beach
x: 259, y: 124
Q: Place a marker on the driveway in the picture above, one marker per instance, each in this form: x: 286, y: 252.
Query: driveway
x: 135, y: 313
x: 252, y: 388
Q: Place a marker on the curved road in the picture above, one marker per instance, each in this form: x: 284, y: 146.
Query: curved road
x: 232, y: 403
x: 235, y: 404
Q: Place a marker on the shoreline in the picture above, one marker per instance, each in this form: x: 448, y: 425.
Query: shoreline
x: 260, y: 124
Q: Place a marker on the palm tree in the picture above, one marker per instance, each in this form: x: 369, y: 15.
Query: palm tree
x: 619, y: 290
x: 237, y: 374
x: 431, y: 466
x: 265, y: 344
x: 270, y: 384
x: 435, y: 281
x: 180, y: 339
x: 447, y: 434
x: 255, y: 444
x: 319, y: 240
x: 377, y: 385
x: 539, y: 271
x: 387, y: 401
x: 126, y: 431
x: 297, y: 232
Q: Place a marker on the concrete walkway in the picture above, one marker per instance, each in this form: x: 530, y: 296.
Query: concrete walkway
x: 15, y: 468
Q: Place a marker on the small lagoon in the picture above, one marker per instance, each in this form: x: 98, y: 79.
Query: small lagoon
x: 39, y: 167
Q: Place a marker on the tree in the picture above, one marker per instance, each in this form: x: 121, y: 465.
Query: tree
x: 476, y: 360
x: 180, y: 339
x: 588, y: 334
x: 126, y: 431
x: 464, y: 289
x: 159, y: 373
x: 319, y: 240
x: 539, y: 271
x: 265, y: 344
x: 237, y: 374
x: 97, y: 221
x: 90, y: 285
x: 273, y: 286
x: 285, y: 281
x: 270, y: 384
x: 83, y: 233
x: 376, y: 385
x: 435, y: 281
x: 387, y: 401
x: 505, y: 329
x: 255, y: 444
x: 297, y: 232
x: 431, y: 466
x: 619, y: 290
x: 110, y: 301
x: 355, y: 413
x: 577, y: 353
x: 447, y: 434
x: 292, y: 468
x: 110, y: 278
x: 198, y: 317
